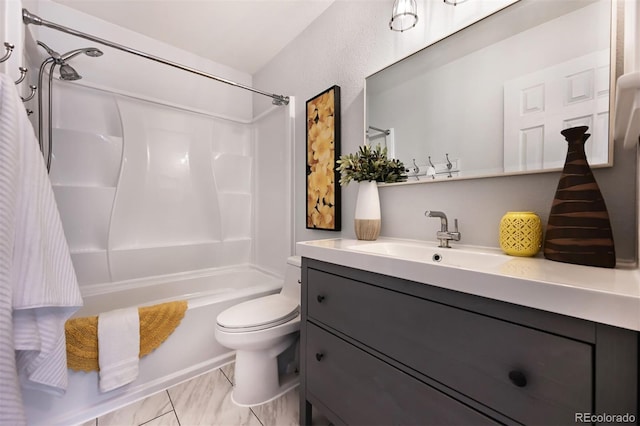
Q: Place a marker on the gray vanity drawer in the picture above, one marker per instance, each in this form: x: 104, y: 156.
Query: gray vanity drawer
x: 529, y: 375
x: 363, y: 390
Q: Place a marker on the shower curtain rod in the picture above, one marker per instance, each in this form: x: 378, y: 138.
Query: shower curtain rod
x: 29, y: 18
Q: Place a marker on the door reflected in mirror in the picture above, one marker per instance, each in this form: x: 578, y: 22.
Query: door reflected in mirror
x: 492, y: 98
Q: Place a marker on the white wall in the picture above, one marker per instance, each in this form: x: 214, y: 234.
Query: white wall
x: 350, y: 41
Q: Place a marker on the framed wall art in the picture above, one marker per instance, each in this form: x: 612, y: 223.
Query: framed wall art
x: 323, y: 150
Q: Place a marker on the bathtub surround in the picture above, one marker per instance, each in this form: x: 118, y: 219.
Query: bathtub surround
x: 252, y: 184
x: 123, y: 180
x: 101, y: 200
x: 145, y: 189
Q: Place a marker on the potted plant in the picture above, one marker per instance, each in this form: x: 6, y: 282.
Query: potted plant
x: 369, y: 166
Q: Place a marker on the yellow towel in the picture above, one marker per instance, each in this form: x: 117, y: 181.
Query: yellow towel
x: 156, y: 324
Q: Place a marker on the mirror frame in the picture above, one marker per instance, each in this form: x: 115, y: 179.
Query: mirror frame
x: 616, y: 67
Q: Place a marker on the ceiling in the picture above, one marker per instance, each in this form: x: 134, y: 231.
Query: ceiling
x: 242, y: 34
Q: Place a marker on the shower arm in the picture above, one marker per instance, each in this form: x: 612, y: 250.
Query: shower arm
x: 29, y: 18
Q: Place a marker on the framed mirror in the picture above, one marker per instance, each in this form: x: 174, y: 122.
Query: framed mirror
x: 492, y: 98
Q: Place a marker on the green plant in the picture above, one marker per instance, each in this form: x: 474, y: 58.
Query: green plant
x: 370, y: 164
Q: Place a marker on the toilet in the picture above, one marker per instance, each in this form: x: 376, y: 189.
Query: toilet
x: 264, y: 332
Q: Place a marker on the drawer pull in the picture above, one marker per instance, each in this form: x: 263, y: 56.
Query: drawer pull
x: 320, y: 298
x: 518, y: 378
x: 319, y: 356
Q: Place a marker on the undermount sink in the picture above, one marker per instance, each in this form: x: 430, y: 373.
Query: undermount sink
x: 423, y: 252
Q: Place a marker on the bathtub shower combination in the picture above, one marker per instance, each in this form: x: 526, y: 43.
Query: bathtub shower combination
x: 160, y: 204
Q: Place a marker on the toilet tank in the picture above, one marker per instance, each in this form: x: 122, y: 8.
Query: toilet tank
x: 292, y: 278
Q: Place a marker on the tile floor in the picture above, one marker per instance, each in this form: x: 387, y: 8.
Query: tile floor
x: 204, y: 401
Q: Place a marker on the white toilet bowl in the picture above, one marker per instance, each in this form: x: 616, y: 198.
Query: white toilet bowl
x: 260, y: 330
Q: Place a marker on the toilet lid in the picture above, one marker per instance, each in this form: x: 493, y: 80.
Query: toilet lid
x: 258, y: 314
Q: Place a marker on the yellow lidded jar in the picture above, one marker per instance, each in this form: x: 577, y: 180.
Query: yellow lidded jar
x: 520, y: 233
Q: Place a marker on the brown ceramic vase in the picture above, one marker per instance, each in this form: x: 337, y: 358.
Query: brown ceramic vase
x: 579, y: 230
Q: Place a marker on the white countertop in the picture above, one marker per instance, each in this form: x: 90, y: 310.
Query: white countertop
x: 604, y: 295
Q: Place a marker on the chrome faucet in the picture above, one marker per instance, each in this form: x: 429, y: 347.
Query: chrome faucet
x: 444, y: 236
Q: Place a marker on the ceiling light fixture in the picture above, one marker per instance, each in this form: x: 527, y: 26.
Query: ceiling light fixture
x: 454, y: 2
x: 404, y: 15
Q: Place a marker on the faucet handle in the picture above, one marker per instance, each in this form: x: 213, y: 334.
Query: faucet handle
x: 455, y: 235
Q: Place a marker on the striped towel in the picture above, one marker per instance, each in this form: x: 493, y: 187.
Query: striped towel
x: 44, y: 289
x: 11, y: 409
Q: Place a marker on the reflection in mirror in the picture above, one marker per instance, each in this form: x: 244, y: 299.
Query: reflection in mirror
x: 491, y: 99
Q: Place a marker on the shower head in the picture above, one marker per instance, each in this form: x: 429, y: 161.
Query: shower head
x: 67, y: 73
x: 60, y: 59
x: 93, y: 52
x: 89, y: 51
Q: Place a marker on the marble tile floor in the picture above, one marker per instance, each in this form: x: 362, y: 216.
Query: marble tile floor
x: 205, y: 401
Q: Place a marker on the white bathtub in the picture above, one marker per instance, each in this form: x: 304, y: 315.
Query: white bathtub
x: 190, y: 351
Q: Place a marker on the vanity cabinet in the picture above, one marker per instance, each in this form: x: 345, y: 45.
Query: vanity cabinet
x: 379, y: 350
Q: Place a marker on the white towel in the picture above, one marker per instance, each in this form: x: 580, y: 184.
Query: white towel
x: 38, y: 271
x: 11, y: 408
x: 118, y: 347
x: 45, y: 291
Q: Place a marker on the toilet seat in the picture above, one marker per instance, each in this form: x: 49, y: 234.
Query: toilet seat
x: 258, y: 314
